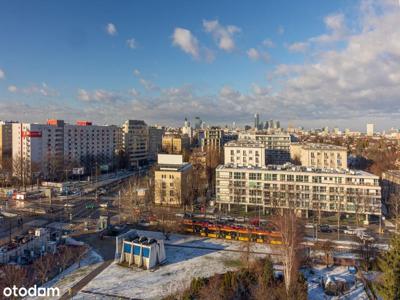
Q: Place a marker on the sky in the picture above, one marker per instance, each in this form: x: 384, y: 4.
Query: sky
x: 305, y: 63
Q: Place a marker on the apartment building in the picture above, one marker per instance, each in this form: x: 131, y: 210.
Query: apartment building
x: 5, y: 146
x: 391, y: 191
x: 155, y: 141
x: 174, y: 143
x: 49, y: 150
x: 319, y: 155
x: 277, y: 145
x: 135, y: 141
x: 276, y: 187
x: 213, y: 137
x: 172, y: 180
x: 245, y: 153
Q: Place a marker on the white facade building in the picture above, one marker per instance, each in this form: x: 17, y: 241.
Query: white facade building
x: 245, y: 153
x: 370, y: 129
x: 48, y: 150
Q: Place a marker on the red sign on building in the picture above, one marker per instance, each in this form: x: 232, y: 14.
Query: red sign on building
x: 32, y: 134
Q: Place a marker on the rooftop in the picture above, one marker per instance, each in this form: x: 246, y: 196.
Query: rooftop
x: 295, y: 168
x: 395, y: 173
x: 320, y: 146
x: 245, y: 143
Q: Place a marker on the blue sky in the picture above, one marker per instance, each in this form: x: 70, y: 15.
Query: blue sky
x: 77, y: 59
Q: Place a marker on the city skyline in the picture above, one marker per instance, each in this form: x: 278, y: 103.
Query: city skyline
x: 323, y: 64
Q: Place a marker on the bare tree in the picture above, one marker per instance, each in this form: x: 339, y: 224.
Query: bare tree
x: 14, y: 275
x: 292, y: 235
x: 327, y: 247
x: 43, y: 267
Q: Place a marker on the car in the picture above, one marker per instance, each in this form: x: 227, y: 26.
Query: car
x: 325, y: 228
x: 104, y: 205
x: 309, y: 226
x: 365, y: 236
x: 350, y: 231
x: 69, y: 205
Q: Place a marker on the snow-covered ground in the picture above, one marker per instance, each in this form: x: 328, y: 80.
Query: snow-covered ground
x: 74, y: 273
x: 183, y: 264
x: 316, y: 292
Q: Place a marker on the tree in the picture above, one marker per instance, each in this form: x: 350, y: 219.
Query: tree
x: 268, y: 272
x: 43, y: 267
x: 327, y: 247
x: 389, y: 264
x: 11, y: 275
x: 292, y: 235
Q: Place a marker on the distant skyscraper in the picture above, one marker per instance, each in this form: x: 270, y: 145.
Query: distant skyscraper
x: 370, y: 129
x: 256, y: 121
x: 197, y: 123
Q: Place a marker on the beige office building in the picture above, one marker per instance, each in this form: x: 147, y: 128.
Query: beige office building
x: 277, y: 145
x: 172, y: 181
x: 245, y: 153
x: 319, y: 155
x: 173, y: 143
x: 274, y: 188
x: 135, y: 141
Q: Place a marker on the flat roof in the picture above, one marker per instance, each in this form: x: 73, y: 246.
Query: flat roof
x: 295, y: 168
x: 245, y: 143
x: 320, y: 146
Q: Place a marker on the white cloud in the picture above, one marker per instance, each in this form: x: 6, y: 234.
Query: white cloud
x: 111, y: 29
x: 255, y: 54
x: 131, y: 43
x: 136, y: 72
x: 148, y: 85
x: 2, y: 74
x: 268, y: 43
x: 83, y: 95
x: 298, y: 47
x: 338, y: 30
x: 35, y: 89
x: 133, y: 92
x: 12, y: 89
x: 185, y: 40
x: 100, y: 96
x: 223, y: 35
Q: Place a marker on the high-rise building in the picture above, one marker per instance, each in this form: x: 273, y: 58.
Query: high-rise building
x: 187, y: 129
x: 198, y: 123
x: 172, y: 180
x: 370, y: 129
x: 5, y: 147
x: 155, y: 141
x: 51, y: 150
x: 277, y: 145
x: 135, y: 136
x: 256, y: 121
x: 173, y: 143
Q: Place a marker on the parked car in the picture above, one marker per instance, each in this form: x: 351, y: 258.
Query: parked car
x: 104, y: 205
x: 325, y: 228
x: 350, y: 231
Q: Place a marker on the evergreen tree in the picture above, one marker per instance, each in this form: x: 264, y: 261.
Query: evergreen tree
x: 389, y: 287
x: 268, y: 272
